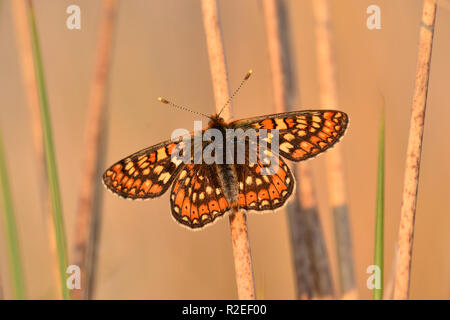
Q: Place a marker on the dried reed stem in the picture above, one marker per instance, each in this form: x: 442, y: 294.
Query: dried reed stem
x: 313, y: 274
x: 238, y: 224
x: 336, y: 179
x: 19, y: 12
x: 88, y: 215
x: 320, y: 268
x: 408, y: 210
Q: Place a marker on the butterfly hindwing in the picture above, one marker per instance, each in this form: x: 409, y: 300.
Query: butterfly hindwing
x: 197, y: 198
x: 264, y: 190
x: 145, y: 174
x: 302, y: 134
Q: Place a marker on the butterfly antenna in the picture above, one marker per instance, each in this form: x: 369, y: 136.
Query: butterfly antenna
x: 165, y: 101
x: 247, y: 76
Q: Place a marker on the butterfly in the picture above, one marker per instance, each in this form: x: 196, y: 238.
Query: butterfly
x: 201, y: 192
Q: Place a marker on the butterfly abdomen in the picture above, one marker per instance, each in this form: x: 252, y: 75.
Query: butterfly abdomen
x: 229, y: 182
x: 226, y: 173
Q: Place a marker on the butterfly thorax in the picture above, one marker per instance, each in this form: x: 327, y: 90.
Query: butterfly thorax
x: 225, y: 172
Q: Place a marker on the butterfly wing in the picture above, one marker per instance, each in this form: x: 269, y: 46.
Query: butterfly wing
x: 197, y: 198
x: 259, y: 191
x: 145, y: 174
x: 302, y: 134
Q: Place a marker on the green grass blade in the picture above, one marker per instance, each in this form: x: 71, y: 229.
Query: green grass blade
x: 50, y: 157
x: 379, y: 220
x: 12, y: 241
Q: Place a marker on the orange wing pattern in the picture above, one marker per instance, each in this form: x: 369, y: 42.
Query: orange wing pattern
x: 197, y: 197
x: 302, y: 134
x: 145, y: 174
x: 264, y: 192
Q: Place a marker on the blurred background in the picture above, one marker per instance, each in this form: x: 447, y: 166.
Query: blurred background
x: 160, y: 50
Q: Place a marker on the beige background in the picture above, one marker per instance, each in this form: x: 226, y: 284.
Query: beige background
x: 160, y: 50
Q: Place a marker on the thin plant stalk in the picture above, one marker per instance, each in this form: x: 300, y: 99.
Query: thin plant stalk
x: 313, y: 275
x: 328, y: 96
x: 379, y: 220
x: 238, y: 219
x: 86, y: 227
x: 12, y: 240
x: 52, y: 174
x: 1, y: 283
x: 20, y: 14
x: 413, y: 153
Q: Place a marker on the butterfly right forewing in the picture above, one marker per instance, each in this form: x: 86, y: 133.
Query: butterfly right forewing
x: 302, y: 134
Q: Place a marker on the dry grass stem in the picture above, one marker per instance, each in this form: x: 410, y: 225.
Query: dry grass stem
x: 238, y: 223
x: 320, y: 268
x: 413, y: 153
x: 88, y: 219
x: 313, y: 277
x: 328, y: 96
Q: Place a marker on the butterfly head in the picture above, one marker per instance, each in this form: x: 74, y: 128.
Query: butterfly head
x: 216, y: 120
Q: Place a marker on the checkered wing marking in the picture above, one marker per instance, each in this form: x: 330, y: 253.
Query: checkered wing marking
x: 145, y: 174
x: 197, y: 198
x: 302, y: 134
x: 264, y: 192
